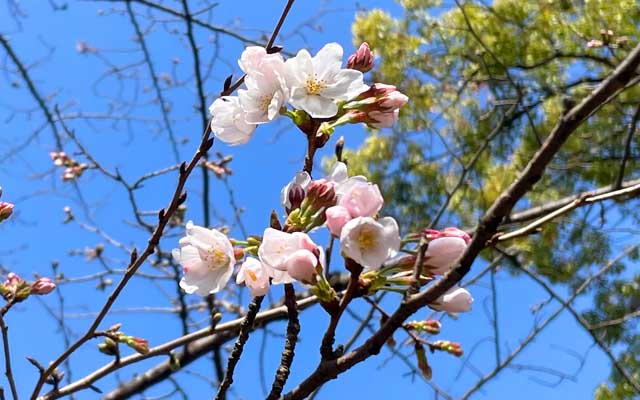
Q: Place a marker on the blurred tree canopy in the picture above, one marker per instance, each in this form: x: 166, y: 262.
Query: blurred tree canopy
x: 487, y: 82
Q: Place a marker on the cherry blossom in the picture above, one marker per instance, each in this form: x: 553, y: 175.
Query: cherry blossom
x: 278, y: 247
x: 229, y: 122
x: 455, y: 300
x: 265, y: 79
x: 317, y: 82
x: 361, y: 199
x: 337, y: 217
x: 369, y: 242
x: 207, y: 260
x: 255, y: 275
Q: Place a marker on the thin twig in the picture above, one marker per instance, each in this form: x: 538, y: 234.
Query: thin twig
x: 7, y: 353
x: 243, y: 336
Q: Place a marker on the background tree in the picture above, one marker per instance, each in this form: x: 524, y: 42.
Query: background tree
x: 487, y: 83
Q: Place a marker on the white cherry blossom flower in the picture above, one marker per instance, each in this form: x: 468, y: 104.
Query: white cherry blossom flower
x: 255, y: 275
x: 207, y: 260
x: 317, y: 82
x: 267, y: 90
x: 278, y: 247
x: 361, y: 199
x: 369, y: 242
x: 455, y: 300
x: 229, y: 122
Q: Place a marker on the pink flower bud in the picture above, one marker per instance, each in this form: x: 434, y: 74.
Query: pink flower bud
x: 337, y: 217
x: 362, y: 59
x: 447, y: 232
x: 393, y: 101
x: 381, y: 119
x: 6, y: 209
x: 13, y: 280
x: 377, y: 90
x: 301, y: 266
x: 455, y: 300
x: 445, y: 247
x: 295, y: 195
x: 321, y: 193
x: 43, y: 286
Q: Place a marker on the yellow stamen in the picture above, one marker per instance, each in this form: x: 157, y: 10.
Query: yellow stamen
x: 216, y: 258
x: 251, y: 274
x: 367, y: 239
x: 315, y: 86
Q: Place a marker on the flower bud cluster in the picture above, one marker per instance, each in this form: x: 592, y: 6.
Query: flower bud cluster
x: 450, y: 347
x: 72, y: 168
x: 110, y: 344
x: 378, y: 107
x: 430, y: 326
x: 17, y: 289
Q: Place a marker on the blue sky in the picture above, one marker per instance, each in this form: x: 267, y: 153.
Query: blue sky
x: 36, y: 235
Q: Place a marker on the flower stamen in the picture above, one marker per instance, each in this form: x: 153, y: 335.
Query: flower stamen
x: 216, y: 258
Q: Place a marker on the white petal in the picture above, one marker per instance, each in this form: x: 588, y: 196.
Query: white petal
x: 346, y: 85
x: 339, y: 173
x: 317, y: 106
x: 328, y: 61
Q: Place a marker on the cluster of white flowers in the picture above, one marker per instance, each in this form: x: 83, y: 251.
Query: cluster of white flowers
x: 317, y: 85
x: 319, y: 89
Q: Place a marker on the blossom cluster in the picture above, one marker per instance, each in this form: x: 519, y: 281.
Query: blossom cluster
x: 348, y: 207
x: 72, y: 168
x: 315, y: 87
x: 323, y: 95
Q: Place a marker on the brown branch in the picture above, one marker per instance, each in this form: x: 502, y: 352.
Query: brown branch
x: 577, y: 202
x: 293, y: 329
x: 199, y: 22
x: 198, y: 344
x: 236, y: 353
x: 154, y: 78
x: 32, y: 89
x: 616, y: 321
x: 326, y: 347
x: 539, y: 211
x: 7, y: 353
